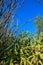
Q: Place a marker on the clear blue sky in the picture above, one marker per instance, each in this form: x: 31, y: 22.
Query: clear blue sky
x: 29, y: 9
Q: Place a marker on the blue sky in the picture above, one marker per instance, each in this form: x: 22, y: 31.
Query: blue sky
x: 29, y: 9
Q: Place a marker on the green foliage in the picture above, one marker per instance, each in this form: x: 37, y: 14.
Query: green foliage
x: 39, y: 24
x: 32, y: 53
x: 25, y: 49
